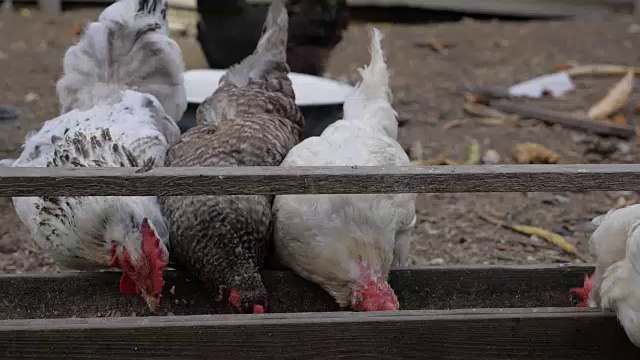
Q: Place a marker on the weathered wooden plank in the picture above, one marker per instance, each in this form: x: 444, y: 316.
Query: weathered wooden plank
x: 96, y: 294
x: 317, y: 180
x: 458, y: 334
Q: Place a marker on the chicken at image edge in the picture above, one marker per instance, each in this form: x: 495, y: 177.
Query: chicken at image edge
x: 119, y: 99
x: 348, y: 243
x: 615, y: 284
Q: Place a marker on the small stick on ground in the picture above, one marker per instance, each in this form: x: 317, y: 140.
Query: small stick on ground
x: 563, y: 118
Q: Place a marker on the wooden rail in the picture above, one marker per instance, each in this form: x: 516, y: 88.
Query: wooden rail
x: 485, y: 312
x: 459, y: 329
x: 316, y: 180
x: 454, y: 334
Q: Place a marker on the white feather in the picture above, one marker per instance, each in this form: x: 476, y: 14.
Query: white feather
x: 125, y: 49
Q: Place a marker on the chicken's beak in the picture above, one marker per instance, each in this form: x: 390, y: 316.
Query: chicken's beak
x: 152, y: 300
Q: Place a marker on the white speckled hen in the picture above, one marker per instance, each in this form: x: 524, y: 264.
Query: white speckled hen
x: 347, y: 243
x: 250, y: 120
x: 118, y: 80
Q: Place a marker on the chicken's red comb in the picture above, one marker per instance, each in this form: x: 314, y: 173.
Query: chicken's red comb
x: 234, y: 299
x: 584, y: 292
x: 154, y: 255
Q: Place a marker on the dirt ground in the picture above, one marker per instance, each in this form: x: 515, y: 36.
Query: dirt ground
x: 424, y: 83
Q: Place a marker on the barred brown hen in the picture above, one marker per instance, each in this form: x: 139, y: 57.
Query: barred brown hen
x: 250, y: 120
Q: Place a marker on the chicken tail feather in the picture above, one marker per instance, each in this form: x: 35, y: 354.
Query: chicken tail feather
x: 275, y: 32
x: 130, y: 11
x: 270, y: 54
x: 127, y: 48
x: 371, y: 99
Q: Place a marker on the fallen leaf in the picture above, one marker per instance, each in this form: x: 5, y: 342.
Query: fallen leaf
x: 532, y: 153
x: 439, y: 46
x: 453, y: 123
x: 496, y: 122
x: 473, y: 154
x: 492, y: 121
x: 547, y: 235
x: 619, y: 119
x: 615, y: 99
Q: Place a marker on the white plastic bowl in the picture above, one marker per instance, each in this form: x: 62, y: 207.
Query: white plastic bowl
x: 310, y: 90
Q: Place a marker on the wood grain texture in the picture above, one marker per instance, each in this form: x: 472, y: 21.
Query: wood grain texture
x: 316, y: 180
x: 96, y: 294
x: 546, y: 333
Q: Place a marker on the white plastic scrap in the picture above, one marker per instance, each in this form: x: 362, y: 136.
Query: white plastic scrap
x: 556, y: 84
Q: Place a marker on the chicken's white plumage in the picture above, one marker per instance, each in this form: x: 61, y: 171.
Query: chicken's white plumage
x: 129, y: 133
x: 616, y: 280
x: 333, y: 239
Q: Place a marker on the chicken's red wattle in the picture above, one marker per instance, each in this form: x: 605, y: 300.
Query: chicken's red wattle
x: 584, y: 292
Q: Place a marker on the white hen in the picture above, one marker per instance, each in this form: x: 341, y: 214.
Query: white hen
x: 347, y: 243
x: 108, y: 121
x: 615, y: 283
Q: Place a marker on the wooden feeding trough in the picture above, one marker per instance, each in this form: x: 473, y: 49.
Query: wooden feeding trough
x: 465, y: 312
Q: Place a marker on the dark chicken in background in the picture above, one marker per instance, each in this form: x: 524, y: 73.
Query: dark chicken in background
x: 229, y: 31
